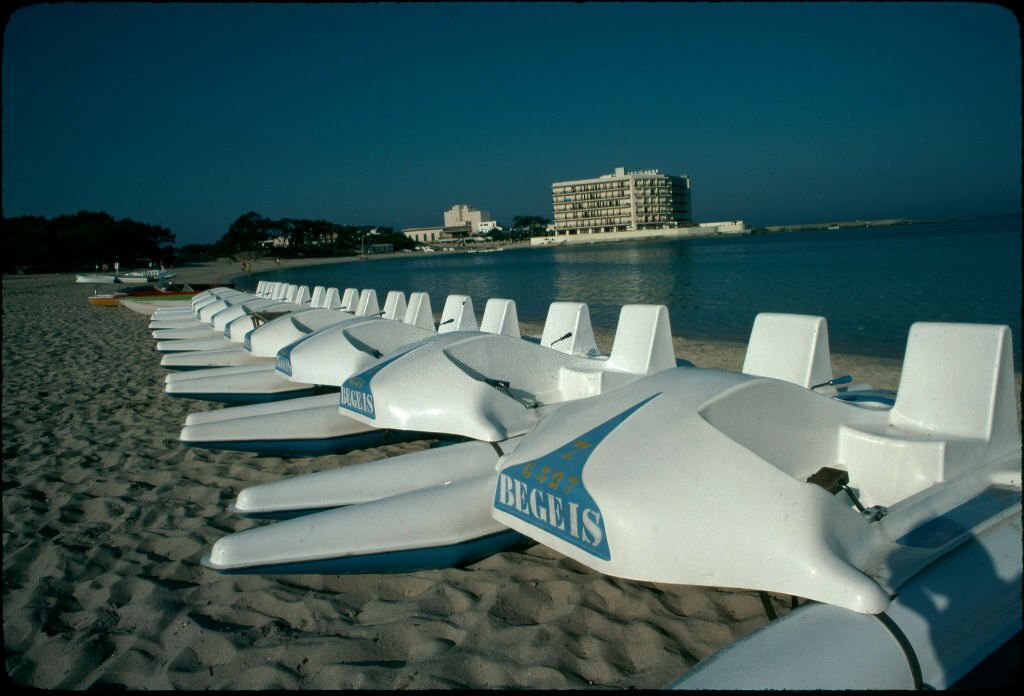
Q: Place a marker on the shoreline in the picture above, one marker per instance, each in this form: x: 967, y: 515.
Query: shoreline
x: 220, y: 271
x: 879, y: 371
x: 228, y: 270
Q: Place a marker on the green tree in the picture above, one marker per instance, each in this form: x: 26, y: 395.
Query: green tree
x: 83, y: 241
x: 529, y: 226
x: 246, y: 234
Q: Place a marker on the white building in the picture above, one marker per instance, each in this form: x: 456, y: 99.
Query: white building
x: 460, y: 215
x: 460, y: 222
x: 621, y: 202
x: 424, y: 235
x: 726, y: 227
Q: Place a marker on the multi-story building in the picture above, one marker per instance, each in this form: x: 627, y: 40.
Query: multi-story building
x: 621, y: 202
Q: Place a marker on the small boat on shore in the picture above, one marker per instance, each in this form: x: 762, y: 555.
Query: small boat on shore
x: 902, y: 526
x: 192, y: 349
x: 118, y: 276
x: 145, y: 299
x: 162, y: 297
x: 95, y: 278
x: 261, y: 382
x: 189, y: 318
x: 104, y: 299
x: 942, y: 624
x: 324, y: 355
x: 425, y: 510
x: 219, y: 314
x: 256, y: 338
x: 178, y: 318
x: 328, y: 356
x: 311, y: 425
x: 212, y: 303
x: 147, y: 307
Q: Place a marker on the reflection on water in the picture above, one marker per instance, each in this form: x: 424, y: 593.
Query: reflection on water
x: 870, y: 283
x: 607, y: 278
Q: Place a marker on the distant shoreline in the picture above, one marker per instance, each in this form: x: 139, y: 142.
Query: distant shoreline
x: 226, y: 270
x: 888, y: 222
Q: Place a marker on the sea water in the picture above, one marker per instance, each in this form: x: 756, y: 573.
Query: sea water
x: 871, y: 283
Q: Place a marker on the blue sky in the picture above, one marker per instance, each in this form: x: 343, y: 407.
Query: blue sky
x: 189, y: 115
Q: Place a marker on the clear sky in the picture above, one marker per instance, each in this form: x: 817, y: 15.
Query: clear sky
x: 189, y: 115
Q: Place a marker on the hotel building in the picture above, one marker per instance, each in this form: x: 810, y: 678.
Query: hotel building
x: 621, y: 202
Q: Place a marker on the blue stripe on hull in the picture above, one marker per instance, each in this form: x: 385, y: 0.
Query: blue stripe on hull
x: 187, y: 368
x: 312, y: 447
x: 285, y: 514
x: 242, y: 399
x: 432, y: 558
x: 868, y: 397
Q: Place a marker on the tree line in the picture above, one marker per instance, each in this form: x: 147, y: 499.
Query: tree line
x: 299, y: 237
x: 88, y: 241
x: 84, y: 241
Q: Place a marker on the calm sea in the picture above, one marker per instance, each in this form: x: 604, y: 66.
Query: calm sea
x: 870, y: 283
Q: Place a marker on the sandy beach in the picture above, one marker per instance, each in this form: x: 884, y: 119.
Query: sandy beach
x: 106, y: 516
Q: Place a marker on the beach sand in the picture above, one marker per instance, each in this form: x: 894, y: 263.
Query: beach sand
x: 106, y: 516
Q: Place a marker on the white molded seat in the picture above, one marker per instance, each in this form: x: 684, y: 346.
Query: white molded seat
x: 955, y: 409
x: 567, y: 329
x: 368, y: 306
x: 350, y: 300
x: 418, y: 312
x: 317, y: 298
x: 301, y: 295
x: 500, y: 317
x: 643, y: 340
x: 791, y: 347
x: 642, y: 346
x: 331, y: 299
x: 457, y: 315
x: 957, y: 379
x: 394, y: 305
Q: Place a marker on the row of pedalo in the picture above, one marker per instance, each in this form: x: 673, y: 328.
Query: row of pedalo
x: 895, y: 517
